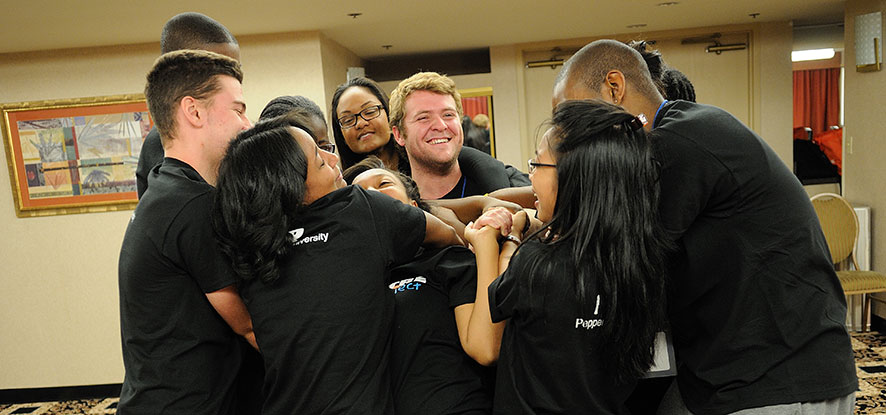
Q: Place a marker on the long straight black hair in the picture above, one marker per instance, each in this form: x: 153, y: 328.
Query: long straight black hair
x: 606, y: 222
x: 260, y: 192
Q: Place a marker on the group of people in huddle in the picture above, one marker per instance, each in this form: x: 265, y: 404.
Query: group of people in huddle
x: 271, y: 268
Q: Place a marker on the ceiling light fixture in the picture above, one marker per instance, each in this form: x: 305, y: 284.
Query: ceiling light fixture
x: 812, y: 54
x: 355, y: 15
x: 635, y: 26
x: 387, y: 47
x: 668, y: 3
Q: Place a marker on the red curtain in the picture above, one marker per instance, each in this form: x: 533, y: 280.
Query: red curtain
x: 817, y: 99
x: 474, y: 105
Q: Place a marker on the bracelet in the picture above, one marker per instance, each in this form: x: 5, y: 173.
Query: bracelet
x: 513, y: 239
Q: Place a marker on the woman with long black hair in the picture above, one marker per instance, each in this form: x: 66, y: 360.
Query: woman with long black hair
x: 585, y: 295
x: 313, y: 256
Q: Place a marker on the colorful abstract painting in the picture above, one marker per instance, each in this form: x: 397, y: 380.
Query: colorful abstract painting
x: 74, y: 154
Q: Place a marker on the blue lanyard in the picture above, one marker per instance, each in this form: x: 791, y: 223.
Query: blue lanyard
x: 464, y: 184
x: 655, y: 119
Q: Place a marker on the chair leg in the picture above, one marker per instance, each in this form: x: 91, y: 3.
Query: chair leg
x: 866, y: 312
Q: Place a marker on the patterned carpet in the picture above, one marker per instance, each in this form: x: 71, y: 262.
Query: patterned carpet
x: 87, y: 406
x: 870, y: 356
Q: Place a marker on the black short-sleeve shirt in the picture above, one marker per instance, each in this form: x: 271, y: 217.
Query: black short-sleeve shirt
x: 430, y: 372
x: 550, y: 360
x: 180, y: 356
x: 150, y: 155
x: 757, y: 312
x: 324, y: 325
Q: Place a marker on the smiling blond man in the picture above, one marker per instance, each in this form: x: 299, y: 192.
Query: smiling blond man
x: 425, y: 119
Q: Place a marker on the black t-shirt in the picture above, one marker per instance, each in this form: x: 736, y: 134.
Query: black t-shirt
x: 550, y: 359
x: 430, y: 372
x: 180, y: 356
x: 481, y: 174
x: 757, y: 311
x: 150, y: 155
x: 324, y: 325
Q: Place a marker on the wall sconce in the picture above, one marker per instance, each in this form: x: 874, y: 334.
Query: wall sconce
x: 868, y: 42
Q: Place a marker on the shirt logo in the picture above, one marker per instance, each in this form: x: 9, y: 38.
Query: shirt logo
x: 590, y: 323
x: 408, y: 284
x: 295, y: 236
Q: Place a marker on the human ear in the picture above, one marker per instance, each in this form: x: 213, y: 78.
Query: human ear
x: 192, y: 110
x: 615, y: 86
x: 398, y: 136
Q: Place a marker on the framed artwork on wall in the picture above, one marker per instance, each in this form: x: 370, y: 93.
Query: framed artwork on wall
x: 75, y: 155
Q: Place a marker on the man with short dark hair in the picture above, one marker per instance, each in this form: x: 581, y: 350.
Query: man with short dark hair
x: 178, y: 298
x: 425, y: 119
x: 756, y: 310
x: 183, y: 31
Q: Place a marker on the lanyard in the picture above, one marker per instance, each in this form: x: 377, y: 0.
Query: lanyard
x: 655, y: 119
x: 464, y: 184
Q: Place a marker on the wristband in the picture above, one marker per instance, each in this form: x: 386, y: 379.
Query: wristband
x: 513, y: 239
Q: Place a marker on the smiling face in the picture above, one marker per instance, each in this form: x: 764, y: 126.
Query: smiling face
x: 366, y: 137
x: 544, y: 179
x: 323, y: 175
x: 431, y: 133
x: 386, y: 182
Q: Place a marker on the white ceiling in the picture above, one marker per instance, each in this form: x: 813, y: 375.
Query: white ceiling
x: 410, y: 26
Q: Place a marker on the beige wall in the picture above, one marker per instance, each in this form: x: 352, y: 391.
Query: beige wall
x: 864, y: 144
x: 59, y: 318
x: 773, y: 83
x: 336, y: 61
x: 60, y: 323
x: 281, y: 64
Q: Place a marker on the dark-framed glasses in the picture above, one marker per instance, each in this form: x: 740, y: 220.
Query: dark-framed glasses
x: 329, y: 147
x: 534, y: 165
x: 368, y: 113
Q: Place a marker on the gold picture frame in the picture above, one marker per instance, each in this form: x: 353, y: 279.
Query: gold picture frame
x: 74, y: 155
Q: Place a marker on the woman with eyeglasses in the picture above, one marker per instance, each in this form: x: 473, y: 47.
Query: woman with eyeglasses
x: 584, y: 295
x: 360, y: 125
x: 312, y: 255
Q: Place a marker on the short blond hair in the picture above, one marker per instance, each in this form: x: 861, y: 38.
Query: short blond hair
x: 422, y: 81
x: 481, y: 120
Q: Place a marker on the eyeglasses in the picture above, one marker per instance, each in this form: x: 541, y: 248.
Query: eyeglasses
x: 329, y: 147
x: 368, y: 113
x: 534, y: 164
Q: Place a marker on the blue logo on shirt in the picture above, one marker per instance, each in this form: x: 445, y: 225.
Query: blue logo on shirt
x: 408, y: 284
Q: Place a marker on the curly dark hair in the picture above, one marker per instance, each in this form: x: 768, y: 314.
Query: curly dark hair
x: 260, y: 193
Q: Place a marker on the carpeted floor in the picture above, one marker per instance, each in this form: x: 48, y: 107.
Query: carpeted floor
x: 870, y: 356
